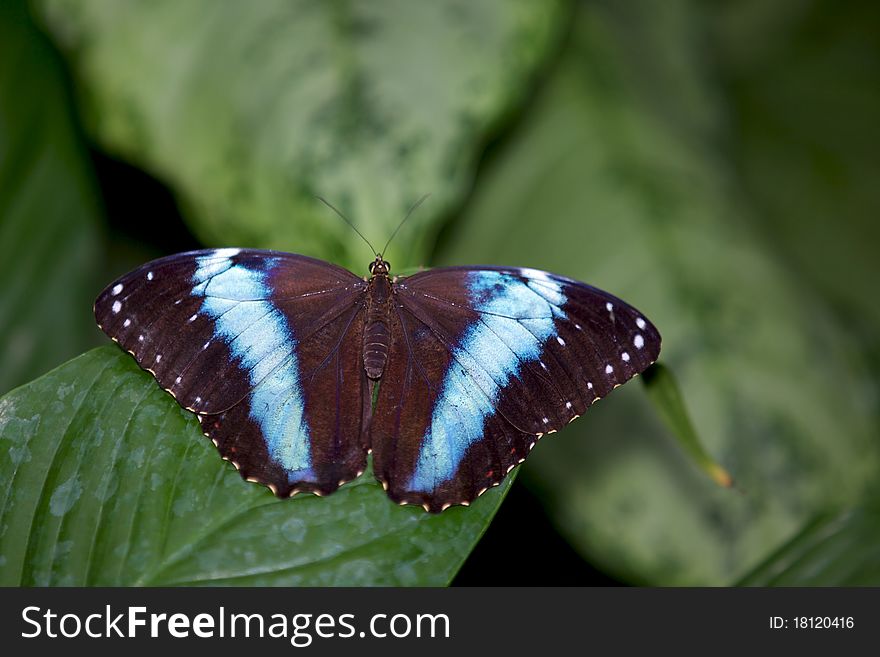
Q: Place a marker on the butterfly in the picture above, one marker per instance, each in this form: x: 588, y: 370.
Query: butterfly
x: 298, y: 369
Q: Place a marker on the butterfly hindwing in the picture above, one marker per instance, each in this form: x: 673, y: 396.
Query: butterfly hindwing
x: 431, y: 469
x: 264, y: 346
x: 485, y: 361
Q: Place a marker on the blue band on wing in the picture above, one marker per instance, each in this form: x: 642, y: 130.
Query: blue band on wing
x: 488, y: 356
x: 236, y: 299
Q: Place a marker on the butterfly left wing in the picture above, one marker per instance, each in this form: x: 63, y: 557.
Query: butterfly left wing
x: 484, y: 362
x: 265, y: 347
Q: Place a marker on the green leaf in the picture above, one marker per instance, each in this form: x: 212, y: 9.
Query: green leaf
x: 249, y: 109
x: 619, y: 179
x: 48, y: 209
x: 804, y: 81
x: 665, y: 392
x: 834, y: 549
x: 109, y: 482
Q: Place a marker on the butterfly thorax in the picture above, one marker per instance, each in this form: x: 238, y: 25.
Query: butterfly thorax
x: 377, y: 329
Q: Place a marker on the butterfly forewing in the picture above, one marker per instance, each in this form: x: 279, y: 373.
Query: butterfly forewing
x: 488, y: 360
x: 264, y: 346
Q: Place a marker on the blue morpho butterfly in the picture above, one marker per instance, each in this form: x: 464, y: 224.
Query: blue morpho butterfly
x: 279, y: 355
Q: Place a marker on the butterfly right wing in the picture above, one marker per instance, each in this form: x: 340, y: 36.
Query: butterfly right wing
x: 485, y: 361
x: 265, y: 347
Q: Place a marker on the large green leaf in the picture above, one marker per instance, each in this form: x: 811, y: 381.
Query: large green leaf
x: 249, y: 109
x: 833, y: 549
x: 619, y: 179
x: 48, y: 209
x: 105, y: 480
x: 804, y: 80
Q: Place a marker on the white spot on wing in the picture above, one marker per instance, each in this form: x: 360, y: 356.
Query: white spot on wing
x: 568, y: 404
x: 560, y: 340
x: 537, y: 274
x: 545, y: 420
x: 117, y: 306
x: 624, y: 357
x: 639, y: 341
x: 193, y: 318
x: 640, y: 322
x: 589, y: 385
x: 126, y: 323
x: 116, y: 289
x: 177, y: 380
x: 149, y: 275
x: 140, y: 338
x: 609, y: 306
x: 608, y: 369
x: 226, y: 253
x: 158, y: 358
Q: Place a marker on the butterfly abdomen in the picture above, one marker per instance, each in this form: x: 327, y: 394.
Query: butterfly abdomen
x: 377, y: 332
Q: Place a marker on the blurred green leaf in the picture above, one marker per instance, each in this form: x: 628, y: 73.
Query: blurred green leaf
x: 665, y: 392
x: 835, y: 549
x: 803, y: 78
x: 250, y: 109
x: 48, y: 209
x: 109, y: 482
x: 619, y: 179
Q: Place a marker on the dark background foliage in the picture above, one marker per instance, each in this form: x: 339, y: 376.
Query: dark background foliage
x: 713, y: 163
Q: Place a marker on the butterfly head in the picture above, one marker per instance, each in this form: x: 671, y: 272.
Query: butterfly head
x: 379, y: 266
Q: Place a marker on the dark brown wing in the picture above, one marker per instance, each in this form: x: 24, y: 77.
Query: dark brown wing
x: 264, y: 346
x: 485, y: 361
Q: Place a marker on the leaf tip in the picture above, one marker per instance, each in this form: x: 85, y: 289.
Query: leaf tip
x: 720, y: 476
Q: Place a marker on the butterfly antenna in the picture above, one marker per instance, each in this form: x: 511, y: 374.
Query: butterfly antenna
x: 400, y: 225
x: 342, y: 216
